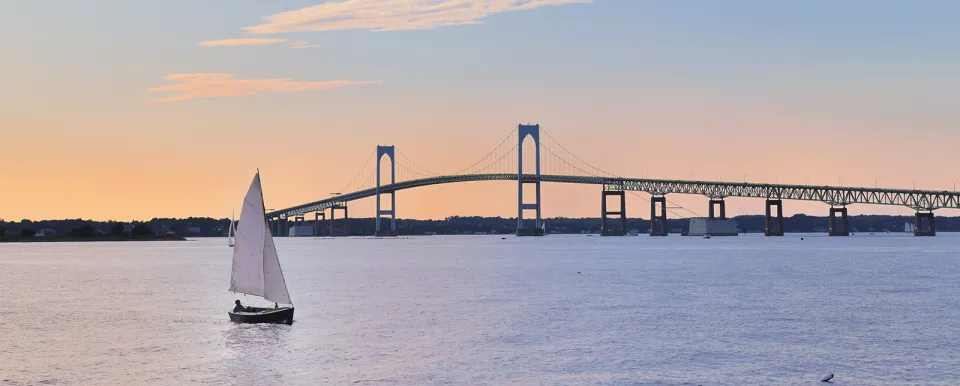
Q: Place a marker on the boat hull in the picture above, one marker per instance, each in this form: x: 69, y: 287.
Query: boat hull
x: 263, y: 315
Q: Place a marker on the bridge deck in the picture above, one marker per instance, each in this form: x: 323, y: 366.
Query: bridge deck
x: 833, y: 195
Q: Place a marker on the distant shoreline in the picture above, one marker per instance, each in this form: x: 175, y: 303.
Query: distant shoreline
x: 196, y: 227
x: 87, y: 239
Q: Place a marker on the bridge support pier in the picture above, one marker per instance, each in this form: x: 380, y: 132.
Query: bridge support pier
x: 522, y: 132
x: 658, y: 218
x: 838, y: 227
x: 317, y: 231
x: 918, y: 224
x: 622, y: 231
x: 298, y: 224
x: 771, y: 227
x: 723, y: 208
x: 281, y: 226
x: 339, y: 231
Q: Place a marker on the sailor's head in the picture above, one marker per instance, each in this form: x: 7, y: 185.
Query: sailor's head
x: 238, y: 302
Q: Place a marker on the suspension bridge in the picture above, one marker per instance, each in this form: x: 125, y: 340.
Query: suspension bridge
x: 553, y: 163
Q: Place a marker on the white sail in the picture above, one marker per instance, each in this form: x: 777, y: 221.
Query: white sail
x: 256, y: 267
x: 274, y: 287
x: 231, y: 231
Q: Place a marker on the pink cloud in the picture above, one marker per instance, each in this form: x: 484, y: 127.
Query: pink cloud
x: 303, y: 44
x: 393, y: 15
x: 201, y: 85
x: 240, y: 42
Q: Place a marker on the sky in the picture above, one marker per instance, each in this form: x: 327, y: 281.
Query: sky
x: 116, y: 109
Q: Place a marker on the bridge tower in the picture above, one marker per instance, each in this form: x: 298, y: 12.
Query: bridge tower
x: 522, y: 132
x: 392, y: 212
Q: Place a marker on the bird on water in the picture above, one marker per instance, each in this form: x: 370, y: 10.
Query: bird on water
x: 827, y: 378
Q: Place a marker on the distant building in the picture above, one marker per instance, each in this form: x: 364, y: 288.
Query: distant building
x: 193, y: 230
x: 46, y: 232
x: 704, y: 226
x: 300, y: 230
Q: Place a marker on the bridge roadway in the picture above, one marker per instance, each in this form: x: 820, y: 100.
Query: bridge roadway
x: 833, y: 195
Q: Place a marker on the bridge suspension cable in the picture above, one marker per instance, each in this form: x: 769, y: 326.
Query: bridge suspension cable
x: 361, y: 177
x: 496, y: 159
x: 409, y: 168
x: 572, y: 160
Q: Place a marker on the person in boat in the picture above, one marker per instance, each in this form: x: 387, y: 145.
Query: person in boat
x: 238, y: 307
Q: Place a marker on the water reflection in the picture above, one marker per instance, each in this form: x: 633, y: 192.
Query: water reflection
x: 256, y: 353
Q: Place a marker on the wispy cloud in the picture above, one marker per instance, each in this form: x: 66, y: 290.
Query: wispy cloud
x: 303, y: 44
x: 191, y: 86
x: 393, y: 15
x: 240, y: 42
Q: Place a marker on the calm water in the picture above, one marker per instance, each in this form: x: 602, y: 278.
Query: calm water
x: 875, y: 310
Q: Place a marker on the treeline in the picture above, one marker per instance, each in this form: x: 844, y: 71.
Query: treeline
x: 210, y: 227
x: 160, y: 228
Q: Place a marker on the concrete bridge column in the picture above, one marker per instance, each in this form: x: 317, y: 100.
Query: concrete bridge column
x: 339, y: 231
x: 918, y: 224
x: 604, y: 213
x: 723, y: 208
x: 298, y: 223
x: 658, y: 218
x: 281, y: 226
x: 316, y: 222
x: 773, y: 227
x: 838, y: 227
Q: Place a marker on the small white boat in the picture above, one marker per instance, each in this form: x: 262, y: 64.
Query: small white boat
x: 231, y: 239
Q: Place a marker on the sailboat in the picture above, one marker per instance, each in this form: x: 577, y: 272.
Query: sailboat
x: 231, y: 231
x: 256, y: 266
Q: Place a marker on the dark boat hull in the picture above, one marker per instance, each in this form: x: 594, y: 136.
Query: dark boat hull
x: 263, y: 315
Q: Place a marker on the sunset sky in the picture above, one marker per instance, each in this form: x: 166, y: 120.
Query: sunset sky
x: 119, y: 109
